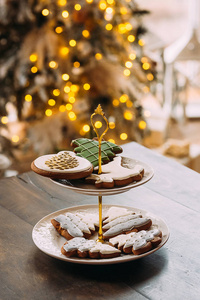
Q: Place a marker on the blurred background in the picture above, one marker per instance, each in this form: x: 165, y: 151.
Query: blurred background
x: 59, y: 59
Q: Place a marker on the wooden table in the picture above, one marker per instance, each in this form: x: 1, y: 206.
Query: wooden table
x: 172, y: 272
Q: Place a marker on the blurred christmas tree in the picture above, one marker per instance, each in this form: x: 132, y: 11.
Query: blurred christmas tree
x: 60, y: 59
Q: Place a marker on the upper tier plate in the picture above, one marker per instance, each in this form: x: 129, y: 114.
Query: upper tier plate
x: 81, y: 187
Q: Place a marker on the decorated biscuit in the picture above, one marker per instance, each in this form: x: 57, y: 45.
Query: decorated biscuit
x: 89, y: 149
x: 114, y: 174
x: 137, y: 242
x: 64, y: 165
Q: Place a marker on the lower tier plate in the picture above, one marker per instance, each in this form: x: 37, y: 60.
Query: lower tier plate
x: 47, y: 239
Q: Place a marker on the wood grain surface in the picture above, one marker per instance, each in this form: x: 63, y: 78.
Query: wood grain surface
x: 171, y: 273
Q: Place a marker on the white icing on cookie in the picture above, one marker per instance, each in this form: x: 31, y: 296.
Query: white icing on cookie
x: 104, y: 249
x: 115, y: 212
x: 91, y: 220
x: 121, y: 239
x: 121, y: 220
x: 67, y: 224
x: 74, y: 244
x: 83, y: 163
x: 77, y: 221
x: 115, y: 171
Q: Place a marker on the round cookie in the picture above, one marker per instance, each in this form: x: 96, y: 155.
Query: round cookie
x: 63, y: 165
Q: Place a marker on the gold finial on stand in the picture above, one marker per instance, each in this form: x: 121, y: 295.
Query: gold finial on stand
x: 97, y: 125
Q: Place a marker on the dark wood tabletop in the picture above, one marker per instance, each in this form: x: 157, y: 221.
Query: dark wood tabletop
x: 172, y: 272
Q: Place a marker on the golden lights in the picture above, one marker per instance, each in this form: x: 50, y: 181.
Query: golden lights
x: 123, y: 136
x: 86, y: 128
x: 123, y: 98
x: 58, y: 29
x: 72, y: 43
x: 72, y: 116
x: 109, y: 26
x: 132, y: 56
x: 128, y: 115
x: 65, y: 77
x: 33, y: 57
x: 86, y: 86
x: 62, y: 2
x: 142, y: 125
x: 34, y: 69
x: 111, y: 125
x: 68, y: 106
x: 15, y: 138
x: 65, y: 14
x: 102, y: 5
x: 56, y: 92
x: 85, y: 33
x: 115, y: 102
x: 77, y: 7
x: 128, y: 64
x: 111, y: 141
x: 48, y: 112
x: 64, y: 51
x: 98, y: 124
x: 127, y: 72
x: 28, y: 98
x: 76, y: 64
x: 53, y: 64
x: 45, y: 12
x: 146, y: 66
x: 51, y: 102
x: 4, y: 120
x: 131, y: 38
x: 98, y: 56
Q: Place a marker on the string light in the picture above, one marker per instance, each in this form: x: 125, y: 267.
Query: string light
x: 123, y: 10
x: 72, y: 43
x: 85, y: 33
x: 59, y: 29
x: 53, y: 64
x: 62, y: 2
x: 77, y: 7
x: 45, y: 12
x: 68, y: 106
x: 115, y: 102
x: 123, y: 136
x: 111, y: 125
x: 4, y: 120
x: 89, y: 1
x: 122, y: 28
x: 127, y: 72
x: 128, y: 115
x: 129, y: 103
x: 86, y: 128
x: 128, y: 64
x: 150, y: 76
x: 74, y: 88
x: 56, y: 92
x: 28, y: 98
x: 98, y: 56
x: 144, y: 59
x: 62, y: 108
x: 111, y: 141
x: 109, y: 27
x: 102, y: 5
x: 48, y: 112
x: 86, y: 86
x: 51, y: 102
x: 146, y: 66
x: 123, y: 98
x: 146, y: 89
x: 142, y: 125
x: 34, y: 69
x: 64, y: 51
x: 15, y: 138
x: 33, y: 57
x: 67, y: 89
x: 65, y: 14
x: 72, y: 99
x: 131, y: 38
x: 76, y: 64
x: 132, y: 56
x: 141, y: 42
x: 65, y: 77
x: 72, y: 116
x: 98, y: 124
x: 109, y: 10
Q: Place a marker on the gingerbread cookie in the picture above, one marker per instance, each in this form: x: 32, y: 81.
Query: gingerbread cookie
x: 64, y: 165
x: 71, y: 226
x: 137, y: 242
x: 88, y: 248
x: 114, y: 174
x: 89, y: 149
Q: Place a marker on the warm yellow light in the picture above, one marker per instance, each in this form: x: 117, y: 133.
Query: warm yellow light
x: 64, y: 51
x: 111, y: 125
x: 53, y: 64
x: 141, y: 42
x: 62, y: 2
x: 86, y: 86
x: 77, y: 7
x: 89, y: 1
x: 111, y: 2
x: 144, y: 59
x: 56, y: 92
x: 51, y: 102
x: 109, y: 10
x: 146, y: 89
x: 86, y: 128
x: 127, y: 72
x: 123, y: 98
x: 98, y: 124
x: 109, y: 27
x: 142, y: 125
x: 28, y: 98
x: 45, y: 12
x: 122, y: 28
x: 65, y: 77
x: 150, y: 76
x: 72, y: 43
x: 76, y: 64
x: 4, y: 120
x: 131, y: 38
x: 98, y: 56
x: 65, y: 14
x: 72, y: 99
x: 48, y: 112
x: 123, y: 10
x: 72, y: 116
x: 34, y: 69
x: 102, y: 5
x: 66, y: 89
x: 132, y: 56
x: 123, y: 136
x: 68, y: 106
x: 33, y: 57
x: 129, y: 103
x: 128, y: 26
x: 128, y: 115
x: 62, y: 108
x: 111, y: 141
x: 15, y: 138
x: 58, y: 29
x: 128, y: 64
x: 146, y: 66
x: 86, y: 33
x: 115, y: 102
x: 74, y: 88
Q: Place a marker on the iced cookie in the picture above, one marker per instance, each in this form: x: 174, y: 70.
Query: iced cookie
x: 137, y: 242
x: 64, y: 165
x: 70, y: 226
x: 88, y: 248
x: 114, y: 174
x: 89, y: 149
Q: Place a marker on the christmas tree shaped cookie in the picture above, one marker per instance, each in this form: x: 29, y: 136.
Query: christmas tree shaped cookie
x: 89, y: 149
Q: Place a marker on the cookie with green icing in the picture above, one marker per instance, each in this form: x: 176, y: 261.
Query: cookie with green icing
x: 89, y: 149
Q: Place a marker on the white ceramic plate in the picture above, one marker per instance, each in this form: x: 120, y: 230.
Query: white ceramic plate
x: 81, y: 187
x: 50, y: 242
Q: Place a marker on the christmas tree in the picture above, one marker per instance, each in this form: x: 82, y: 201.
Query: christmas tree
x: 60, y: 59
